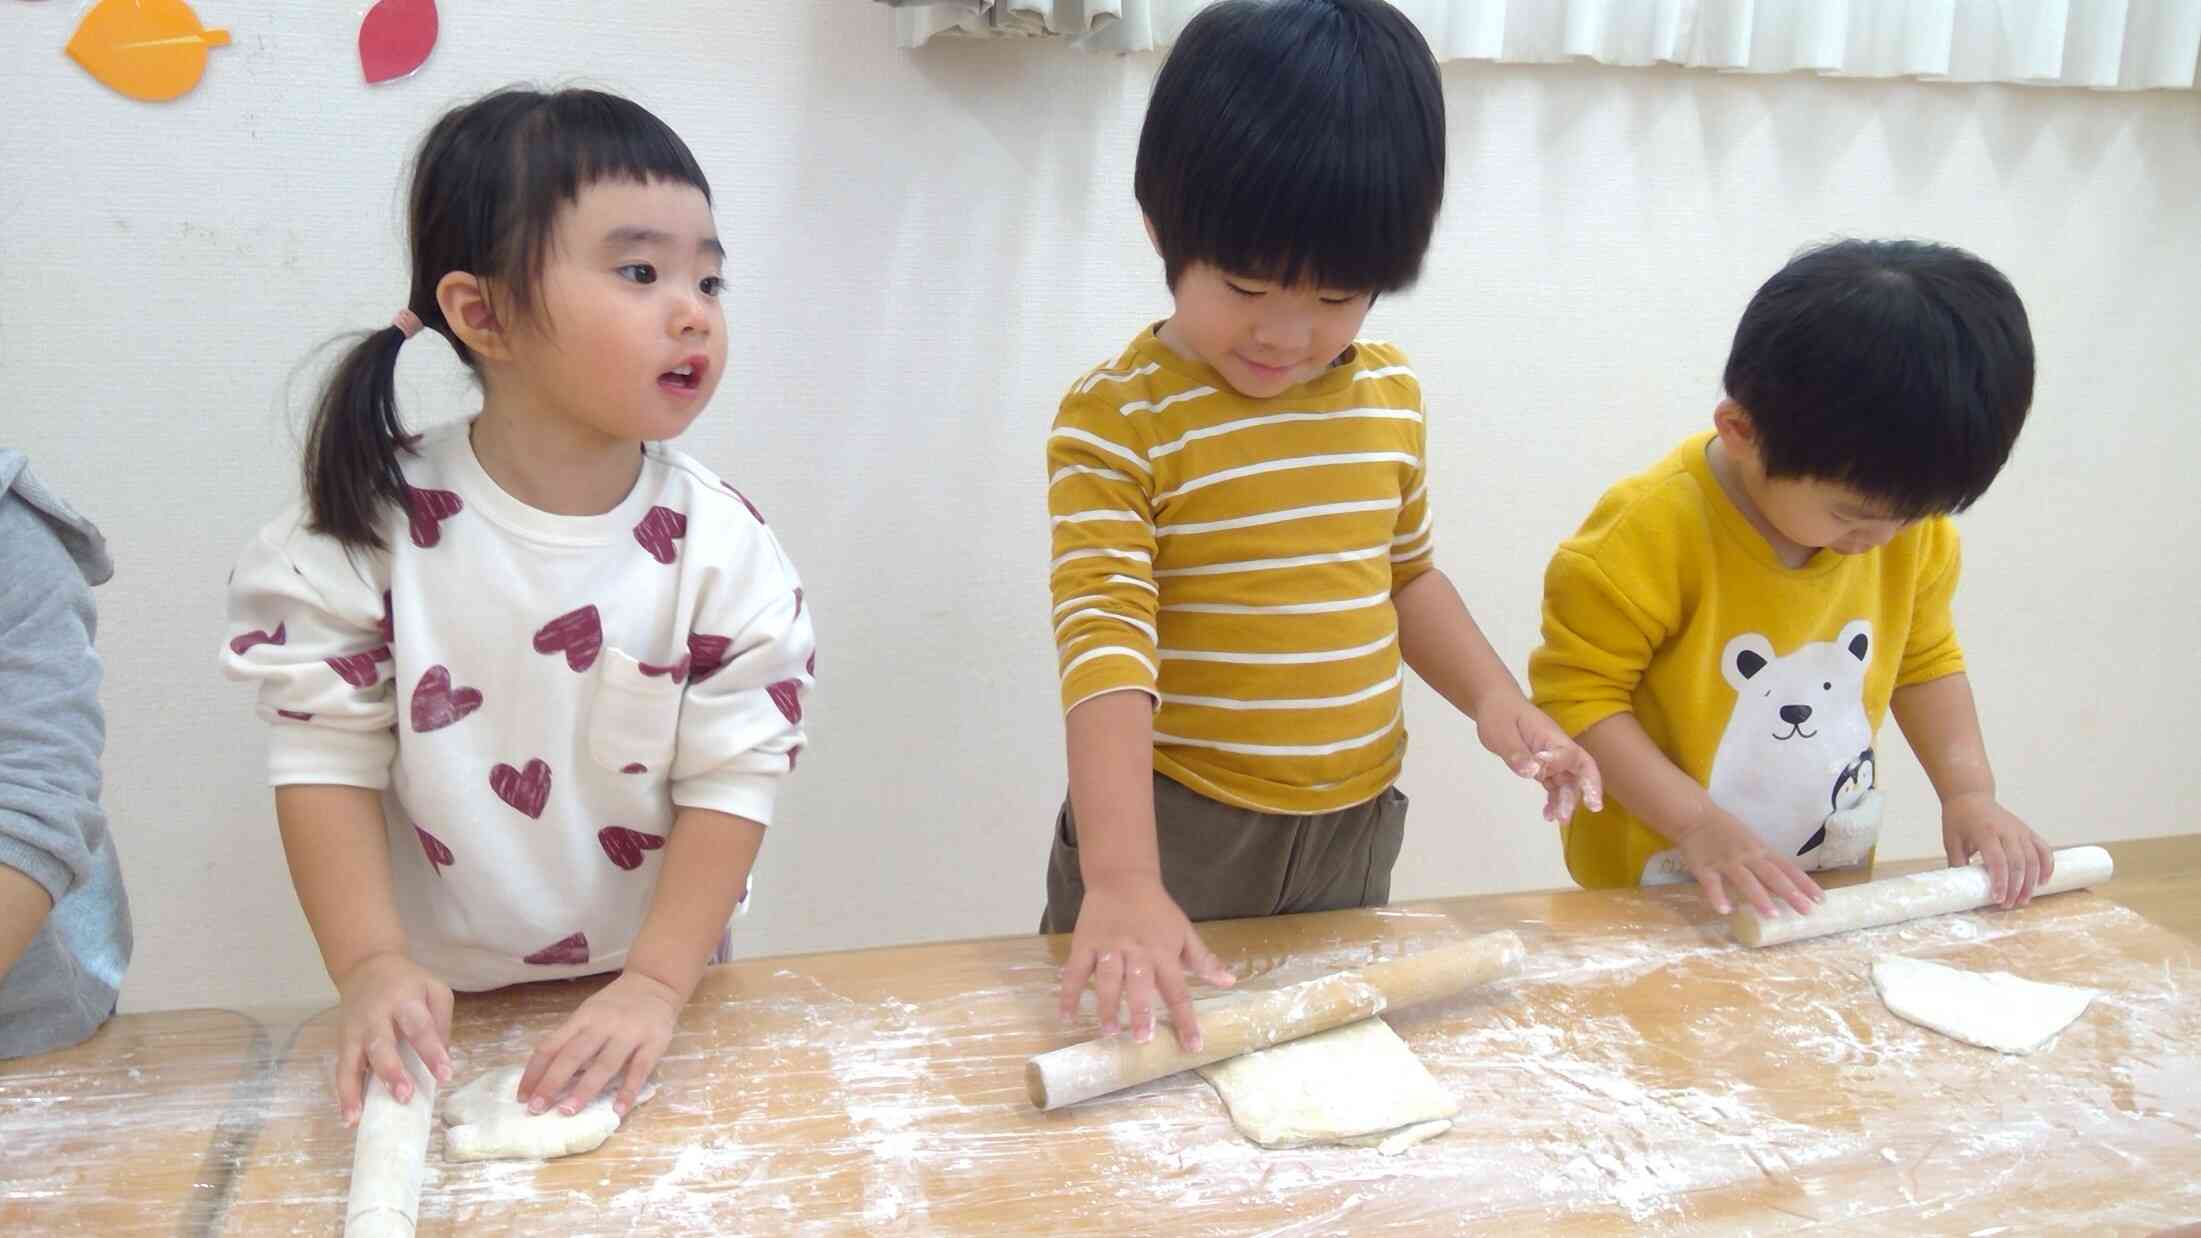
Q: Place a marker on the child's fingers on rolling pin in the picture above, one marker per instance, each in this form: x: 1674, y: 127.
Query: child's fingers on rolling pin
x: 1109, y: 972
x: 421, y: 1022
x: 1197, y: 961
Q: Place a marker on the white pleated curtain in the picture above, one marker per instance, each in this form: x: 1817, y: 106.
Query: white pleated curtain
x: 2098, y: 44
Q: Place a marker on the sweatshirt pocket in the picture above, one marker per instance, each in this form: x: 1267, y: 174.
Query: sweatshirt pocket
x: 634, y: 723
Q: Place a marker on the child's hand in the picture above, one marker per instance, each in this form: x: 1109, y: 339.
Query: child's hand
x: 2016, y: 859
x: 1534, y: 746
x: 386, y: 1000
x: 628, y: 1023
x: 1132, y: 940
x: 1725, y: 855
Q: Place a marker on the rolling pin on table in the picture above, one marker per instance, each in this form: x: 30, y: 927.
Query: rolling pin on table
x: 1892, y: 900
x: 1259, y: 1020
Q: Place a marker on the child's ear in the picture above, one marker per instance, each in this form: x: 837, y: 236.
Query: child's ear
x: 464, y: 300
x: 1151, y: 238
x: 1736, y: 430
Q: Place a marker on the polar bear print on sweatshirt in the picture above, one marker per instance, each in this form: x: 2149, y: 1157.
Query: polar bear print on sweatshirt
x: 1795, y: 762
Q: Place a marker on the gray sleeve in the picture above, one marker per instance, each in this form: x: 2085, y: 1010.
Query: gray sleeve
x: 51, y: 728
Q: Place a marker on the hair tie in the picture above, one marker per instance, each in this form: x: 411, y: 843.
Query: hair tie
x: 407, y: 322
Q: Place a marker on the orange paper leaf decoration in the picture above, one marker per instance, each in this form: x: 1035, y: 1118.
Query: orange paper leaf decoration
x: 152, y: 50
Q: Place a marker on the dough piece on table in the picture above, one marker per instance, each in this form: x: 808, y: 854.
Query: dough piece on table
x: 1356, y: 1084
x: 485, y: 1123
x: 1994, y: 1010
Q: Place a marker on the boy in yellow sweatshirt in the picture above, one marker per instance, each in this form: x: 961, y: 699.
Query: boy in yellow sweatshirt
x: 1243, y: 554
x: 1727, y: 630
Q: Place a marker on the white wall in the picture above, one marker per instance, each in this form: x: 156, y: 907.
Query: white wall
x: 927, y: 247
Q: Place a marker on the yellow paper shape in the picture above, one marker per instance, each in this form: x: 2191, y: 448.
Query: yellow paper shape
x: 152, y: 50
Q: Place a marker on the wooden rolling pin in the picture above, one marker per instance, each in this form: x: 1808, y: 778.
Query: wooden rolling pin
x: 1257, y: 1020
x: 1917, y: 896
x: 390, y: 1156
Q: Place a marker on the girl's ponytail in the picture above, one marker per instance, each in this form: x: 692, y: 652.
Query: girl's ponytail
x: 352, y: 450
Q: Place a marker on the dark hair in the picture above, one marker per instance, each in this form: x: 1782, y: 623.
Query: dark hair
x: 1900, y: 369
x: 1296, y: 140
x: 488, y: 183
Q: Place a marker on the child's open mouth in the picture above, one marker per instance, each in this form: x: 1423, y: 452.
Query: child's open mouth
x: 687, y: 376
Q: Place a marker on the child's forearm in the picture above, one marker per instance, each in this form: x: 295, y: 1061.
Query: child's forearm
x: 706, y: 868
x: 1941, y: 722
x: 1645, y: 780
x: 339, y: 853
x: 1441, y: 641
x: 1111, y: 746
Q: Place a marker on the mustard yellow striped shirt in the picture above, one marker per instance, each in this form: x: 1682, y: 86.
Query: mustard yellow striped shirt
x: 1236, y: 559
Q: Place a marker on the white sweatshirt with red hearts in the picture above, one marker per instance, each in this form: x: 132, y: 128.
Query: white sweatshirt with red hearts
x: 534, y: 695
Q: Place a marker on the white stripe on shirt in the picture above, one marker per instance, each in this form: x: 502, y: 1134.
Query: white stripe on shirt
x: 1230, y: 427
x: 1109, y: 651
x: 1427, y: 518
x: 1098, y: 443
x: 1386, y: 372
x: 1285, y: 465
x: 1086, y: 470
x: 1142, y: 406
x: 1099, y: 516
x: 1097, y: 377
x: 1279, y: 659
x: 1080, y: 600
x: 1145, y: 629
x: 1278, y: 517
x: 1269, y: 565
x: 1315, y: 702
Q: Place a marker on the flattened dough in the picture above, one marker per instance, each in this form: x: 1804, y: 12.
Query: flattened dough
x: 1357, y: 1084
x: 1994, y: 1010
x: 485, y: 1123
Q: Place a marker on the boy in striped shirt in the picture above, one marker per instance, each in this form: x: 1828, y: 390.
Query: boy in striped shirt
x: 1243, y: 559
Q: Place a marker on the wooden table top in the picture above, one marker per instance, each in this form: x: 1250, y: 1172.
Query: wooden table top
x: 1642, y: 1073
x: 138, y: 1130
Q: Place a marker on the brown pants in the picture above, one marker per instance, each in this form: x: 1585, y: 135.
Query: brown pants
x: 1225, y: 863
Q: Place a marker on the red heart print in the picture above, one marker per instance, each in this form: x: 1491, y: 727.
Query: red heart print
x: 395, y: 38
x: 564, y: 952
x: 294, y: 715
x: 708, y: 654
x: 634, y: 767
x: 426, y: 510
x: 744, y: 501
x: 438, y: 854
x: 579, y: 634
x: 787, y: 694
x: 358, y: 669
x: 436, y: 704
x: 678, y: 670
x: 625, y: 847
x: 810, y: 668
x: 256, y: 637
x: 528, y: 791
x: 389, y: 621
x: 658, y: 530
